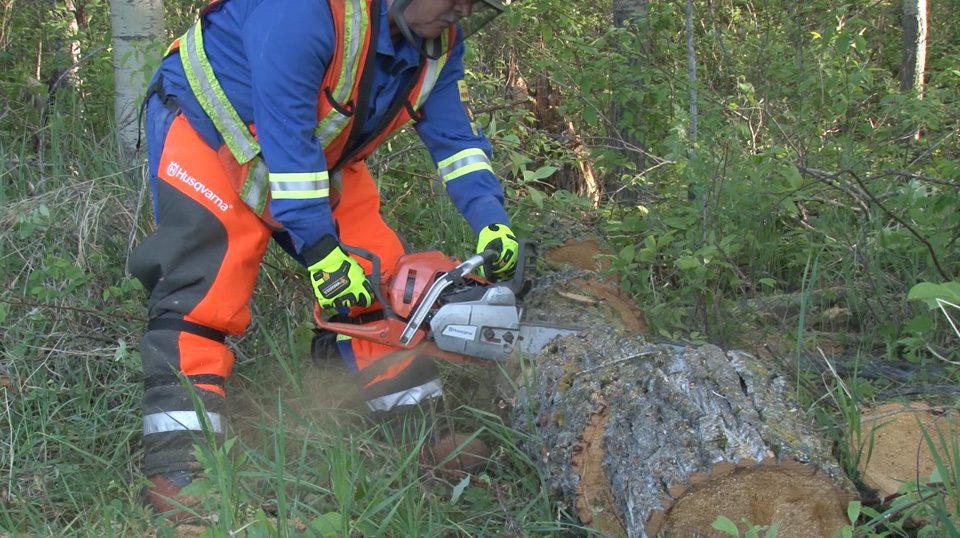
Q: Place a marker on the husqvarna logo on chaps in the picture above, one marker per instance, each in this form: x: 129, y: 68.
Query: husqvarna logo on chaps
x: 174, y: 170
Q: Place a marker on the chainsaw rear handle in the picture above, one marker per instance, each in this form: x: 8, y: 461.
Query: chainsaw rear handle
x: 385, y: 331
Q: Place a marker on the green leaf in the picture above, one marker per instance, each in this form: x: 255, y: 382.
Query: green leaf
x: 929, y: 293
x: 458, y: 490
x: 544, y: 172
x: 679, y: 223
x: 686, y: 263
x: 792, y: 176
x: 327, y: 525
x: 853, y: 511
x: 918, y: 325
x: 724, y: 525
x: 590, y: 116
x: 536, y: 197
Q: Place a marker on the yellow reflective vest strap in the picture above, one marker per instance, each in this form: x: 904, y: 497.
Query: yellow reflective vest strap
x: 462, y: 163
x: 432, y: 74
x: 356, y: 26
x: 212, y: 98
x: 254, y: 190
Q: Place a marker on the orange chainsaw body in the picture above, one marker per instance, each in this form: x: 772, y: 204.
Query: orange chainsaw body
x: 414, y: 275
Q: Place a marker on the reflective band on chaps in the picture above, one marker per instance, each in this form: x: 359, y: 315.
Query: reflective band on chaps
x: 175, y: 421
x: 412, y: 396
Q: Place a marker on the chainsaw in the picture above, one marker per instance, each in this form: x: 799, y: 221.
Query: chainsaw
x: 447, y: 310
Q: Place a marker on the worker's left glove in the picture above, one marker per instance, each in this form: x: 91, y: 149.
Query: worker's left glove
x: 499, y: 238
x: 337, y: 279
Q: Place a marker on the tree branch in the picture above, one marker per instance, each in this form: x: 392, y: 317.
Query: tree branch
x: 933, y: 254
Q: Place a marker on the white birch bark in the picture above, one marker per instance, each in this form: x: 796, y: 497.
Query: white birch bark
x: 72, y: 76
x: 914, y: 46
x: 136, y: 24
x: 692, y: 75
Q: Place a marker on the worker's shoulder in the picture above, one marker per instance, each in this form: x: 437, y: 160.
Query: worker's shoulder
x: 290, y: 21
x: 306, y: 11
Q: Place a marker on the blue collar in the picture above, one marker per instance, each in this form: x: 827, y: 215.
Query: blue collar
x: 404, y: 53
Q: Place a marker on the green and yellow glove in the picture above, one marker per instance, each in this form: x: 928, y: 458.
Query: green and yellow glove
x: 500, y: 238
x: 337, y: 279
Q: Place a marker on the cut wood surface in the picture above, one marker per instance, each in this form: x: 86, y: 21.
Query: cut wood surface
x: 894, y: 450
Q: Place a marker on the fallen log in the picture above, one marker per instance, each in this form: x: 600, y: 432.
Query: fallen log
x: 642, y: 438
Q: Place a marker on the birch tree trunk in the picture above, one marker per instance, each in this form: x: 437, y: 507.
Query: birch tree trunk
x: 70, y: 77
x: 914, y: 60
x: 692, y: 76
x: 136, y: 25
x: 914, y: 46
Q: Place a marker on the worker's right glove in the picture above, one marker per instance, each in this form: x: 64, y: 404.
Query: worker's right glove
x: 499, y: 238
x: 337, y: 279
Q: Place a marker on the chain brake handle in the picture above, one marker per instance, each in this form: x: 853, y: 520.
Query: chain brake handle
x: 455, y: 277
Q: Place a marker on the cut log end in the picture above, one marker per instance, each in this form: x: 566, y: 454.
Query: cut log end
x: 802, y: 500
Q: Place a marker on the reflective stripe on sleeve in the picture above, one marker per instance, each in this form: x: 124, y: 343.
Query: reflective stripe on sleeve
x: 464, y: 162
x: 254, y: 191
x: 413, y: 396
x: 298, y: 186
x: 175, y: 421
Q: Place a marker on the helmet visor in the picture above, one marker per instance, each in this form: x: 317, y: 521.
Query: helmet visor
x: 483, y: 11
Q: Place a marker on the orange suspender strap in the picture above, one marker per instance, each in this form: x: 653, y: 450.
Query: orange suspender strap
x: 410, y: 104
x: 341, y: 94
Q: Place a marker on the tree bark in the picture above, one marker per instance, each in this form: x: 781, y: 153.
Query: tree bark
x: 914, y: 46
x: 70, y: 76
x: 136, y: 25
x: 692, y: 77
x: 914, y: 51
x: 644, y: 438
